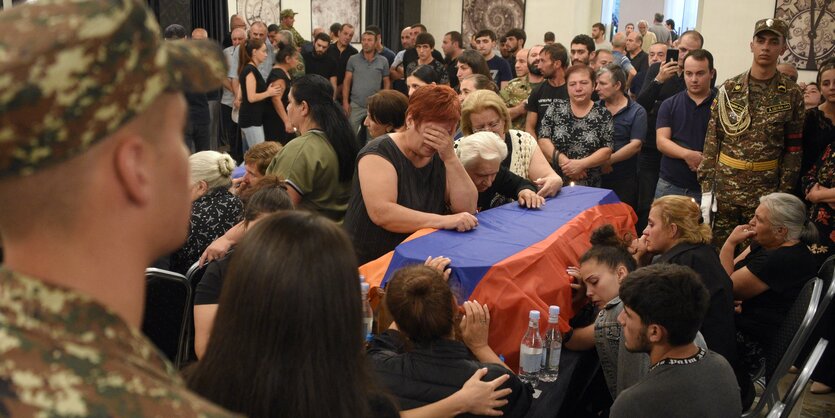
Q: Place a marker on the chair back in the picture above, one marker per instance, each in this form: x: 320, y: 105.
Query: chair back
x: 168, y: 300
x: 788, y: 340
x: 194, y: 275
x: 783, y: 409
x: 792, y: 334
x: 827, y: 274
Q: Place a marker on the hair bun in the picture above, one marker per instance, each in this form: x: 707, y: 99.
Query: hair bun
x: 225, y: 165
x: 606, y: 235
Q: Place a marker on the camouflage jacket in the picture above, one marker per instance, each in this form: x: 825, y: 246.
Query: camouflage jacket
x: 298, y: 40
x: 63, y: 354
x: 775, y: 133
x: 517, y: 91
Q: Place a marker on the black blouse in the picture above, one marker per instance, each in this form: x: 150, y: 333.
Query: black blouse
x: 212, y: 215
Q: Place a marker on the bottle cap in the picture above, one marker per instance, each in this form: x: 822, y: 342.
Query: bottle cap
x: 553, y: 310
x: 364, y: 287
x: 534, y: 315
x: 362, y: 278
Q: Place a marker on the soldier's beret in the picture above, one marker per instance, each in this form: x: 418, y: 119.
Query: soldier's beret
x: 775, y: 26
x: 74, y: 72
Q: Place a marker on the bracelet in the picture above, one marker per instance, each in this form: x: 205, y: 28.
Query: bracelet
x: 555, y: 158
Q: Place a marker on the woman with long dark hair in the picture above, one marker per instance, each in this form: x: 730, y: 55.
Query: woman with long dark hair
x: 287, y: 340
x: 278, y: 316
x: 471, y: 62
x: 254, y: 90
x: 423, y: 75
x: 277, y: 126
x: 319, y: 164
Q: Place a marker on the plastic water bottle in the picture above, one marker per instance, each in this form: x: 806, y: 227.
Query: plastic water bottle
x: 530, y: 351
x: 553, y: 347
x: 367, y: 312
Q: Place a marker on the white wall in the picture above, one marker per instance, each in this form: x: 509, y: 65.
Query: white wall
x: 302, y: 7
x: 631, y: 11
x: 565, y: 18
x: 728, y: 27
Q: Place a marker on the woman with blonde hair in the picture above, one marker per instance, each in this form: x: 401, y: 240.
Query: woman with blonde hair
x: 213, y: 209
x: 484, y: 110
x: 675, y: 234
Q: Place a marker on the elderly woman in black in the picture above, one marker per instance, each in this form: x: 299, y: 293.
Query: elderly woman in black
x: 213, y: 209
x: 768, y: 275
x: 482, y: 154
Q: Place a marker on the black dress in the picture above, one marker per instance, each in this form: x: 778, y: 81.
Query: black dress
x: 251, y: 114
x: 273, y: 125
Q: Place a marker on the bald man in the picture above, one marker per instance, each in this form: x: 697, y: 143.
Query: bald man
x: 199, y: 34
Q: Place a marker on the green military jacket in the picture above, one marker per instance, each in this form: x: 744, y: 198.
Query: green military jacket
x: 64, y: 354
x: 298, y: 40
x: 775, y: 132
x: 517, y: 91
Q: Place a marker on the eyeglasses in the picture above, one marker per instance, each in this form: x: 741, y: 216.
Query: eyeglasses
x: 490, y: 127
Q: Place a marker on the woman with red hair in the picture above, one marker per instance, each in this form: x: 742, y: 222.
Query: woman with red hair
x: 412, y: 179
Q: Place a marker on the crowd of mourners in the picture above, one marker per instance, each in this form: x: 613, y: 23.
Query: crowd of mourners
x: 311, y: 158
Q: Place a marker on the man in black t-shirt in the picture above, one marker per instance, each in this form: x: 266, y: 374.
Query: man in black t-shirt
x: 340, y: 51
x: 319, y: 62
x: 553, y: 60
x: 452, y: 47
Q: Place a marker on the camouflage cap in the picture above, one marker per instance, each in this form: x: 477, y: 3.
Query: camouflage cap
x: 98, y: 64
x: 775, y: 26
x: 287, y: 13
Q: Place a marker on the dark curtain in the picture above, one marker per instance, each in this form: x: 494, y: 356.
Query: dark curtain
x: 212, y: 15
x: 388, y: 15
x: 155, y: 6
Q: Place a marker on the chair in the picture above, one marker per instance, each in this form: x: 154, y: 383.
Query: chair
x: 782, y: 409
x: 827, y: 271
x: 788, y: 341
x: 168, y: 300
x: 194, y: 275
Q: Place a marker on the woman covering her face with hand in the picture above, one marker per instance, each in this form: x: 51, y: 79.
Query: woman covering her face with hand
x: 411, y: 180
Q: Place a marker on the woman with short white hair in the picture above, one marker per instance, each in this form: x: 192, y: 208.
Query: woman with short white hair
x: 768, y: 276
x: 482, y: 154
x: 213, y: 208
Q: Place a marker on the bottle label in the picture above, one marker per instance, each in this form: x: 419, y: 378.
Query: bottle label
x: 530, y: 359
x: 554, y: 360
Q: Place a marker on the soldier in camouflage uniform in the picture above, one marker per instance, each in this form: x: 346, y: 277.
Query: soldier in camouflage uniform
x: 288, y: 17
x: 94, y: 186
x: 753, y: 143
x: 518, y: 89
